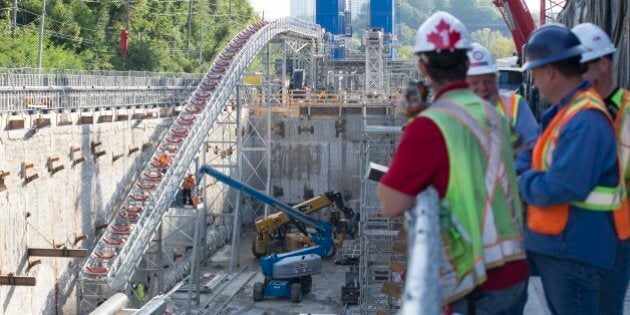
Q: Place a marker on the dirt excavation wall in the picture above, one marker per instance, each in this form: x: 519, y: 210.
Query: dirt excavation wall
x: 51, y: 198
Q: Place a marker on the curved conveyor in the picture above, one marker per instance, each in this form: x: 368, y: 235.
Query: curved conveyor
x: 119, y: 251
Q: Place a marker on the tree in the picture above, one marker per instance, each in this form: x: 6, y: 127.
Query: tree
x: 85, y: 35
x: 499, y: 45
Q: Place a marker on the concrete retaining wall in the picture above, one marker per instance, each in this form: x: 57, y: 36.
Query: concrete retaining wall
x: 56, y: 209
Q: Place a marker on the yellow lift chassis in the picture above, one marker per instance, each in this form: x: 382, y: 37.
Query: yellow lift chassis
x: 273, y: 235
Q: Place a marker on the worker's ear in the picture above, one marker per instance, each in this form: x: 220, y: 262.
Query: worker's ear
x: 423, y: 70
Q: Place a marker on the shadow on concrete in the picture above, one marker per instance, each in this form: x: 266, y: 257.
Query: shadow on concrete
x: 20, y: 270
x: 90, y: 191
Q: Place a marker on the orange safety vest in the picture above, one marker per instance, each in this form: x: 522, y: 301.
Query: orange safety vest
x: 509, y: 107
x: 553, y: 219
x: 622, y: 123
x: 189, y: 182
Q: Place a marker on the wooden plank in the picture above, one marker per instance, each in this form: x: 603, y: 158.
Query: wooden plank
x: 17, y: 281
x: 400, y: 247
x: 397, y: 266
x: 391, y: 289
x: 53, y: 252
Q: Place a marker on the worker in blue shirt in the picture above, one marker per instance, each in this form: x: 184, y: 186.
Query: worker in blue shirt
x: 599, y: 64
x: 482, y: 79
x: 574, y: 184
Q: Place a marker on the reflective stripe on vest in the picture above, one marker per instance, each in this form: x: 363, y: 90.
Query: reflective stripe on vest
x: 491, y: 142
x: 553, y: 219
x: 481, y: 185
x: 508, y: 107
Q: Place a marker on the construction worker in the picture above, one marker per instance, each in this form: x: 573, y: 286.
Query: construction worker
x: 483, y: 80
x: 187, y: 186
x: 460, y: 145
x: 163, y: 161
x: 574, y: 184
x: 599, y: 65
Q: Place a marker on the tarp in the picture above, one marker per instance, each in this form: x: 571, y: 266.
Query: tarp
x: 613, y: 16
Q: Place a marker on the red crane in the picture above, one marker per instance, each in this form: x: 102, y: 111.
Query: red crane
x: 518, y: 19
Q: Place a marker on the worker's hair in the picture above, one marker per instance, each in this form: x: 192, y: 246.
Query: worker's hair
x: 570, y: 67
x: 445, y: 66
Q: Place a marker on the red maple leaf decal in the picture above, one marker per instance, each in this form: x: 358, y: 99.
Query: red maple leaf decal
x: 443, y: 38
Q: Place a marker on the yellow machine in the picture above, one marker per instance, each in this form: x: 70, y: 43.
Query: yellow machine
x: 274, y: 235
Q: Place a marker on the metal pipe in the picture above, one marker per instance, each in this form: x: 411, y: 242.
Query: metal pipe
x: 41, y: 36
x: 115, y: 303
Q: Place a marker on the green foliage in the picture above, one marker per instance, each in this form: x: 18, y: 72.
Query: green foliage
x: 499, y: 45
x: 475, y: 14
x: 86, y: 35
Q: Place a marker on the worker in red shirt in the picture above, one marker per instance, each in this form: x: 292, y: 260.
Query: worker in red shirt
x: 461, y: 146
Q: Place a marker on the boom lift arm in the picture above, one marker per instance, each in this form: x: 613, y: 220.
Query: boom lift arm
x: 322, y: 237
x: 288, y: 274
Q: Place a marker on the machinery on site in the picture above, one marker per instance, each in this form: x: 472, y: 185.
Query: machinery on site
x: 288, y: 274
x: 274, y: 231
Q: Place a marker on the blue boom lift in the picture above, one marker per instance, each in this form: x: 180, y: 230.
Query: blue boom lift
x: 288, y: 274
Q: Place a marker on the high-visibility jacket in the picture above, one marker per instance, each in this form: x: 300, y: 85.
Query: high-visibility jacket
x: 163, y: 161
x: 189, y: 182
x: 553, y: 219
x: 621, y: 100
x: 480, y: 215
x: 507, y: 105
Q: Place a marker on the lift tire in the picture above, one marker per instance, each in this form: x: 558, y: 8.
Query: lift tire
x: 307, y: 284
x: 258, y: 291
x: 296, y: 293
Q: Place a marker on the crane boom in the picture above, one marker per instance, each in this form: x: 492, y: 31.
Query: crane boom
x: 518, y: 18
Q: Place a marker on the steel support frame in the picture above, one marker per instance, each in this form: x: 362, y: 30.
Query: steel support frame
x: 374, y: 61
x: 377, y: 233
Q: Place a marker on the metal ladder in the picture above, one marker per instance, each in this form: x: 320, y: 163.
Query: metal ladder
x: 119, y: 250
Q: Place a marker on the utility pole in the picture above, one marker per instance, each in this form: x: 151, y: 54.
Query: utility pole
x: 189, y: 29
x: 41, y: 36
x: 201, y: 47
x: 14, y: 25
x: 128, y: 7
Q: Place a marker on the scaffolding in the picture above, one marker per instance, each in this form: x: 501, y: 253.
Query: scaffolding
x: 374, y: 60
x: 380, y: 244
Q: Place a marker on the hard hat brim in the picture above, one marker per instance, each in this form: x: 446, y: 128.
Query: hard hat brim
x: 539, y: 62
x: 592, y: 55
x: 481, y: 70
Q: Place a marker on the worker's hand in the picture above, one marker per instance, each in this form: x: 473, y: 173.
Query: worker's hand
x: 413, y: 99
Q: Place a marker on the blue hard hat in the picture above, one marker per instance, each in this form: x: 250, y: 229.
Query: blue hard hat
x: 551, y: 43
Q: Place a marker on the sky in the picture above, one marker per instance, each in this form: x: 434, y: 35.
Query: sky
x: 278, y: 8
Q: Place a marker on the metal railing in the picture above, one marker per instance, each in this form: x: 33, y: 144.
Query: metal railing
x: 26, y: 89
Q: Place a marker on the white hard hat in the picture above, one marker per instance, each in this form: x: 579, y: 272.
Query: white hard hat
x: 481, y: 60
x: 441, y: 31
x: 595, y: 40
